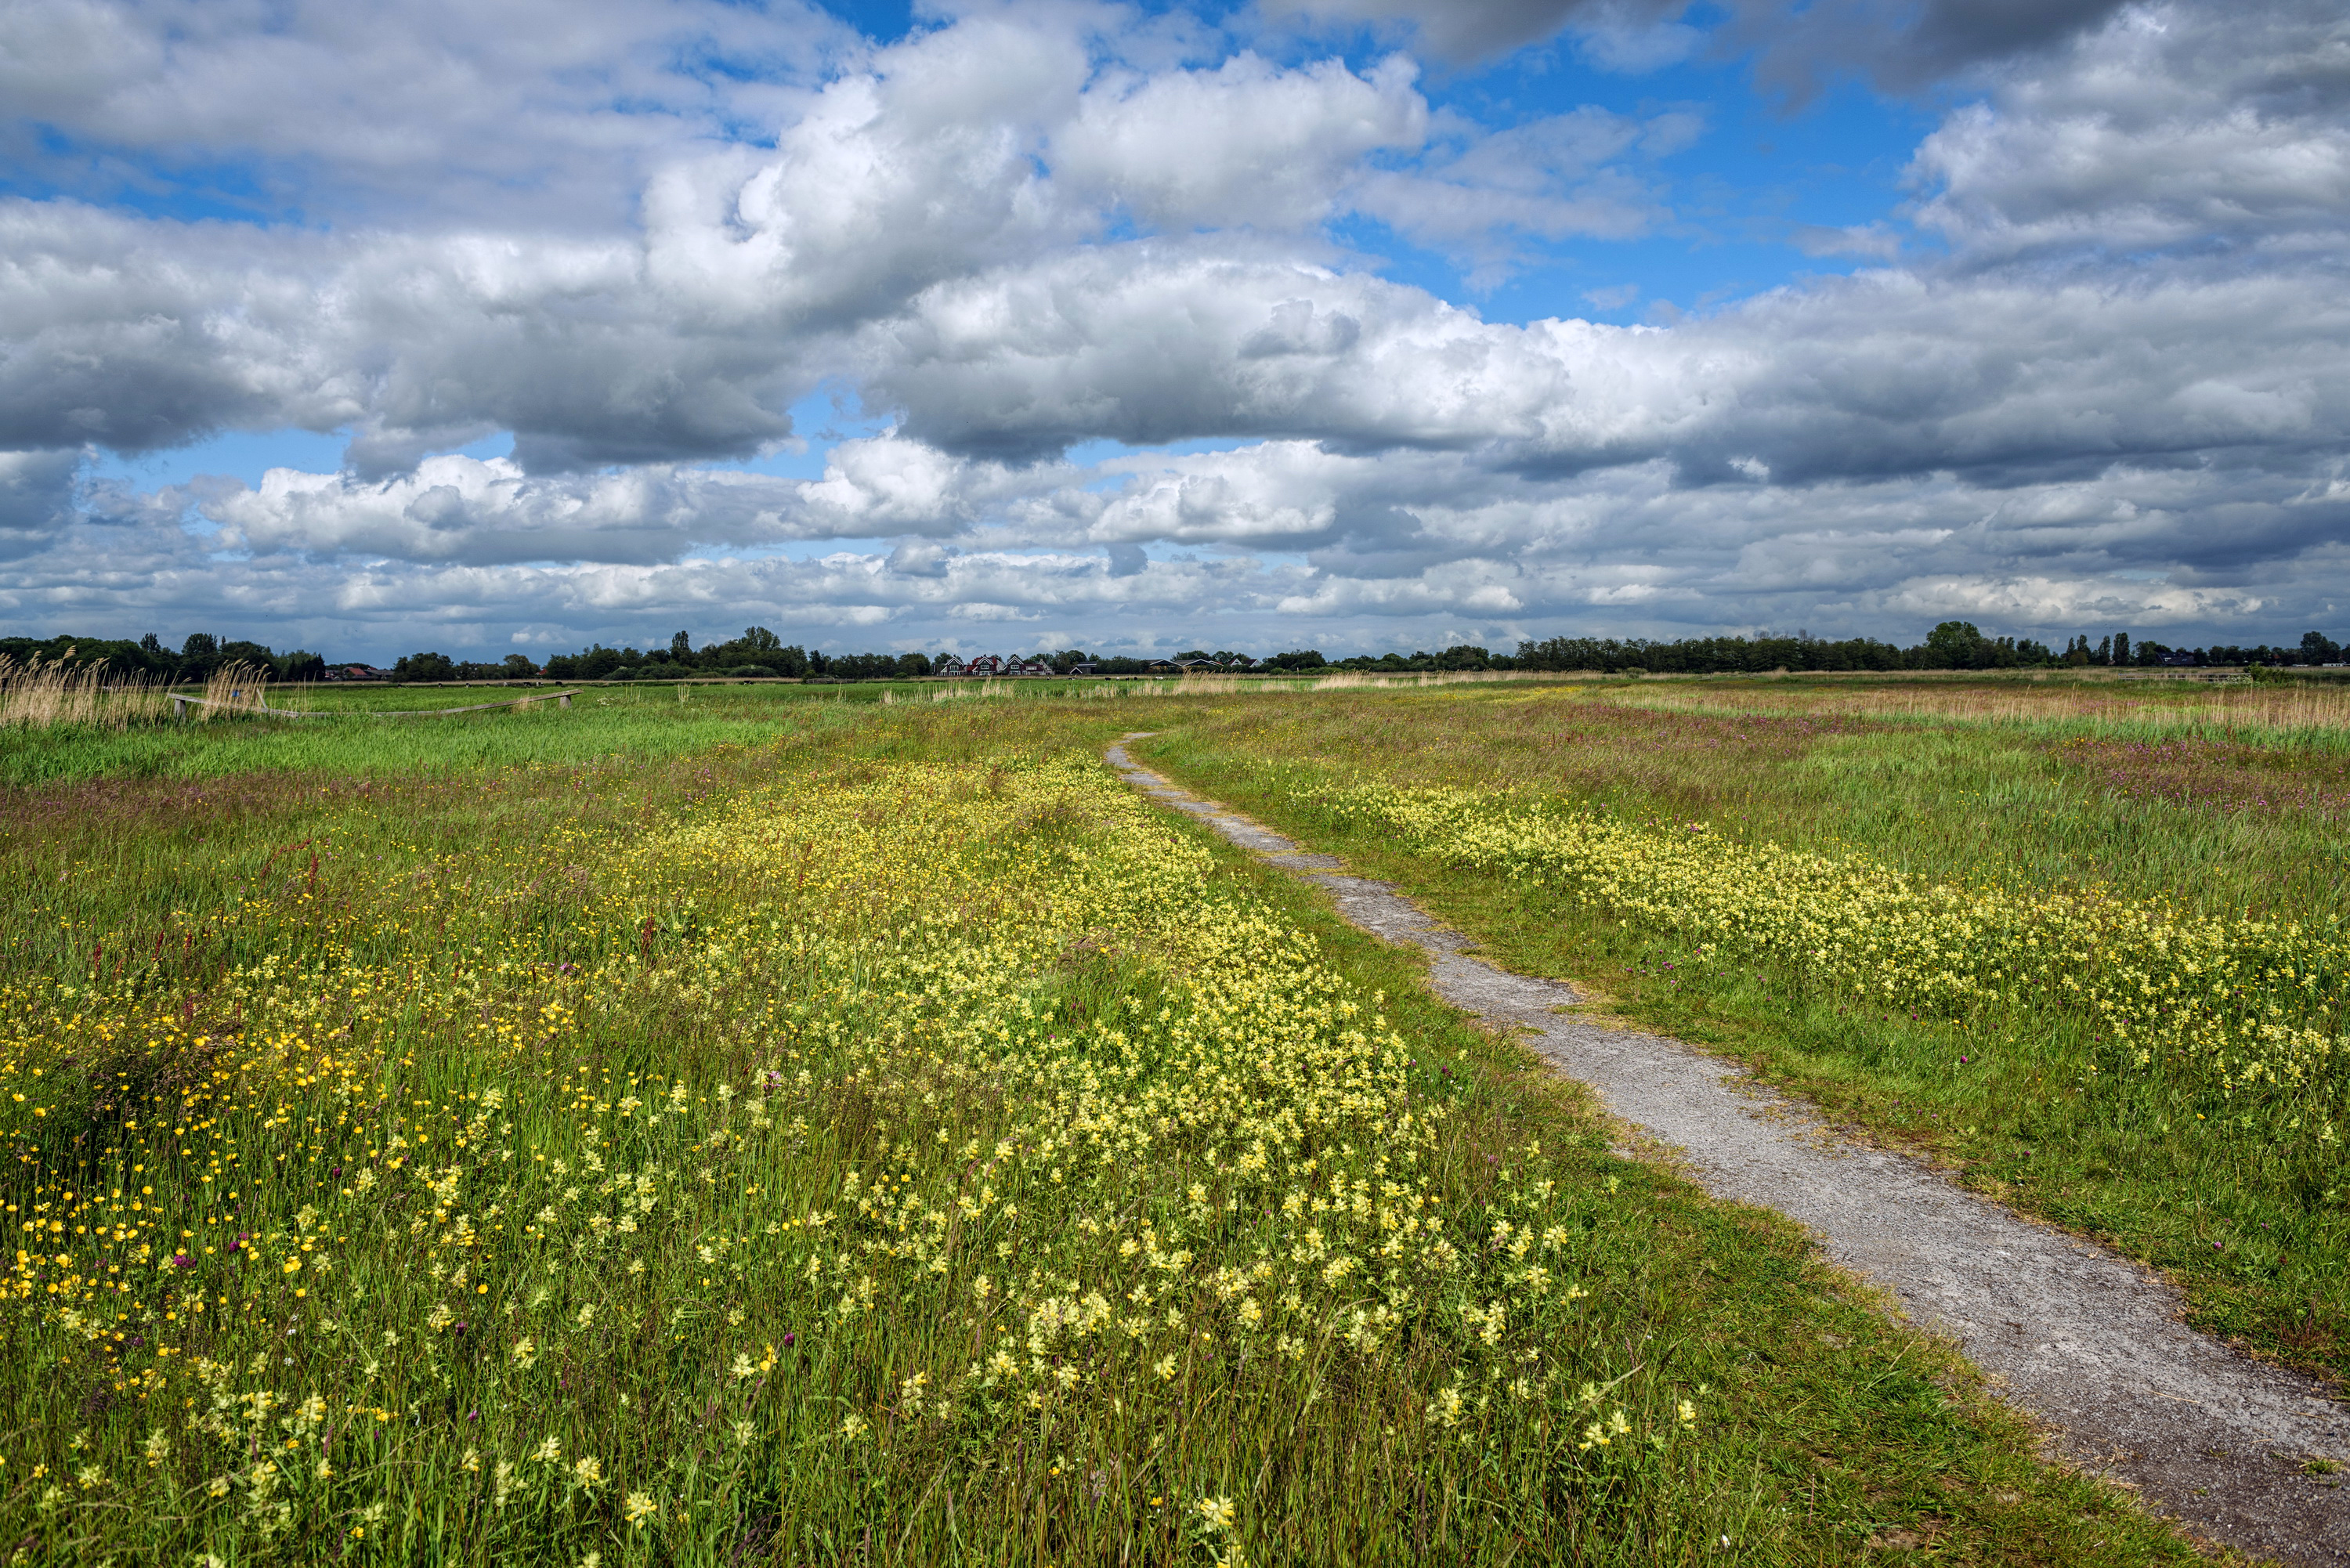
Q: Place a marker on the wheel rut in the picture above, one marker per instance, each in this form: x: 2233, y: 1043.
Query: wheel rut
x: 2083, y: 1340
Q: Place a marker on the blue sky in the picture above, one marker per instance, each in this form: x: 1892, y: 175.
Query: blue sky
x: 1357, y: 323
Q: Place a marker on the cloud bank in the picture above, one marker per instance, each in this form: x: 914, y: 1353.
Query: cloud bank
x: 2096, y: 371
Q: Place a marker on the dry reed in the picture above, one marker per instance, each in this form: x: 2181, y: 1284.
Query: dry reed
x: 44, y: 693
x: 233, y: 691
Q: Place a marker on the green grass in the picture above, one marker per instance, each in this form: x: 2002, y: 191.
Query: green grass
x: 288, y: 1017
x: 640, y: 720
x: 360, y: 732
x: 2257, y: 1235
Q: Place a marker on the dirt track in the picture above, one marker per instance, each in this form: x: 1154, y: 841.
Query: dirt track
x: 2087, y: 1341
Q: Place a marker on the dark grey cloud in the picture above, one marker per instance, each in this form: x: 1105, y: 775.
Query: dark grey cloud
x: 1797, y: 45
x: 37, y: 498
x: 1950, y: 35
x: 1900, y: 46
x: 1477, y: 29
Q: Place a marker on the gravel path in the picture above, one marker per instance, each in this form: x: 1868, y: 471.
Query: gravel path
x: 2083, y: 1340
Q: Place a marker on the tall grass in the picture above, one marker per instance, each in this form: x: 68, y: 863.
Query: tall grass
x: 41, y: 695
x: 236, y: 692
x: 46, y: 695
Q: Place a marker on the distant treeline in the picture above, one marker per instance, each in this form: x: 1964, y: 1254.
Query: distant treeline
x: 198, y: 656
x: 1953, y: 645
x: 759, y: 651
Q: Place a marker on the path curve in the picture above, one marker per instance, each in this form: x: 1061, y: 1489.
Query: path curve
x: 2083, y: 1339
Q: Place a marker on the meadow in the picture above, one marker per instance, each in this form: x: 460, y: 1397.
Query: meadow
x: 757, y: 1128
x: 2082, y: 942
x: 78, y: 725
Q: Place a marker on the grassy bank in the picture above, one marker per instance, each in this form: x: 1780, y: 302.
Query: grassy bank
x: 828, y: 1132
x: 1825, y: 893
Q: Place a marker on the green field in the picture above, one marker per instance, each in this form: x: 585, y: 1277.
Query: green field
x: 370, y: 728
x: 780, y: 1127
x: 2216, y: 815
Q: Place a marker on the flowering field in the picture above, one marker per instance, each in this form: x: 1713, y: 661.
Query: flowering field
x: 2122, y: 1008
x: 910, y: 1150
x: 2243, y: 1015
x: 1026, y: 1155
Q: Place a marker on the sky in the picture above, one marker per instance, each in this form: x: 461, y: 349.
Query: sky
x: 373, y: 327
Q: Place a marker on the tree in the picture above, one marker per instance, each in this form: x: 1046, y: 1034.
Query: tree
x: 759, y: 640
x: 2121, y: 647
x: 424, y: 667
x: 151, y: 644
x: 198, y: 655
x: 2316, y: 648
x: 518, y: 667
x: 681, y: 647
x: 1955, y: 645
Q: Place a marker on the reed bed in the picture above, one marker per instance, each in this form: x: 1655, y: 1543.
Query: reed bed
x: 50, y: 694
x: 236, y: 692
x: 43, y: 694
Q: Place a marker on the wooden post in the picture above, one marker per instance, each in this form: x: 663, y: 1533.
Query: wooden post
x: 565, y: 700
x: 178, y: 706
